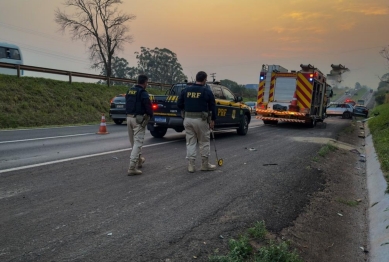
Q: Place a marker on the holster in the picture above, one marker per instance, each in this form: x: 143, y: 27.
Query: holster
x: 139, y: 119
x: 146, y: 119
x: 204, y: 116
x: 209, y: 117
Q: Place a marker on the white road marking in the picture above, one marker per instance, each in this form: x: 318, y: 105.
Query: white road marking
x: 43, y: 138
x: 79, y: 157
x: 40, y: 128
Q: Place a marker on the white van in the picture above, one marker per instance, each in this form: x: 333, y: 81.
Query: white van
x: 11, y: 54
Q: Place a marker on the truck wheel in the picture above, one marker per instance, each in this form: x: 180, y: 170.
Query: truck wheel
x: 159, y: 132
x: 243, y: 126
x: 118, y: 121
x: 346, y: 115
x: 312, y: 123
x: 270, y: 122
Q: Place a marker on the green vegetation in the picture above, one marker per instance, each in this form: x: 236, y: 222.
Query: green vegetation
x: 379, y: 128
x: 248, y: 94
x: 241, y: 250
x: 258, y: 231
x: 324, y: 150
x: 32, y: 102
x: 351, y: 203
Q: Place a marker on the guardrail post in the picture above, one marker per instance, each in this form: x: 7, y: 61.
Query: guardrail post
x: 70, y: 77
x: 18, y: 70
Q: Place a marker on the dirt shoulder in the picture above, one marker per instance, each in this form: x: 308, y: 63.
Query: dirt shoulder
x: 333, y: 227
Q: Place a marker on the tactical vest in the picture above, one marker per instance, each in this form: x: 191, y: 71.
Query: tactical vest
x: 195, y: 99
x: 134, y: 101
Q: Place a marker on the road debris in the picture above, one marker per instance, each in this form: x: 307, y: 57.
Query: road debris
x: 270, y: 164
x: 339, y: 214
x: 354, y: 151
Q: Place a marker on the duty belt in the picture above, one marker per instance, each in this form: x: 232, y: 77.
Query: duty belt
x: 193, y: 114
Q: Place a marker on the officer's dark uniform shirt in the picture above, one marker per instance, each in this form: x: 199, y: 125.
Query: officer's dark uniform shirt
x: 197, y: 98
x: 138, y: 101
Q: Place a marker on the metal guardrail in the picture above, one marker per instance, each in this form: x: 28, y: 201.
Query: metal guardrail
x: 74, y: 74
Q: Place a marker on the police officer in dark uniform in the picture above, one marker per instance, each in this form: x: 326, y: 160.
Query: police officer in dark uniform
x: 198, y: 102
x: 139, y: 111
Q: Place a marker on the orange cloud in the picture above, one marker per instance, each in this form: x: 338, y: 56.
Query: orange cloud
x: 347, y: 26
x: 365, y: 9
x: 312, y: 29
x: 307, y: 16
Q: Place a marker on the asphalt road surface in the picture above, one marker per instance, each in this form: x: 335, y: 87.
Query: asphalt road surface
x: 65, y: 194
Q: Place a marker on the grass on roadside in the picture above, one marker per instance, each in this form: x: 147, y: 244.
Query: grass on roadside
x: 241, y: 250
x: 379, y: 128
x: 351, y: 203
x: 38, y: 102
x: 326, y: 149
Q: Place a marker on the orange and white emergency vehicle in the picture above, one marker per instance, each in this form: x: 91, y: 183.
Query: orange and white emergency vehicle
x: 296, y: 96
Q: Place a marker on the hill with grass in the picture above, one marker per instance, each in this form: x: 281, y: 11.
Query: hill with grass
x: 33, y: 102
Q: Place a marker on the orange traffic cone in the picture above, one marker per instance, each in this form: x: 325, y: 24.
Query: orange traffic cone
x: 103, y: 126
x: 293, y: 105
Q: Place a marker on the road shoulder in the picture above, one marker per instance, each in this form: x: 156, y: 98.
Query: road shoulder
x: 333, y: 226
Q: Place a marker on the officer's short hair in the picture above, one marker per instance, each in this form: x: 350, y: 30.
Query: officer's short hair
x: 142, y: 79
x: 201, y: 76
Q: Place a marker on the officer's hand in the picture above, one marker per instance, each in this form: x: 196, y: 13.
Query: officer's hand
x: 212, y: 124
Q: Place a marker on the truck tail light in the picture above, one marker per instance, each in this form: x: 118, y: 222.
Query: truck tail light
x: 155, y: 106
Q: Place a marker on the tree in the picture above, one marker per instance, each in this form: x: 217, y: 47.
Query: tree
x: 385, y: 54
x: 160, y: 65
x: 99, y: 24
x: 239, y: 90
x: 120, y: 69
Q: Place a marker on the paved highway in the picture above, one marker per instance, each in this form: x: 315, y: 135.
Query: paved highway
x: 65, y: 195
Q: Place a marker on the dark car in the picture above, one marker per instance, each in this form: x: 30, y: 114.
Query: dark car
x: 117, y: 112
x: 360, y: 110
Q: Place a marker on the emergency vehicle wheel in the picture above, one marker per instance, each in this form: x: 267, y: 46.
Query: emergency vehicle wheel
x: 243, y: 126
x: 270, y: 122
x: 312, y: 123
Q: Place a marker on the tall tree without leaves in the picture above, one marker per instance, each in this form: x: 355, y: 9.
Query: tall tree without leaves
x: 100, y: 24
x: 160, y: 64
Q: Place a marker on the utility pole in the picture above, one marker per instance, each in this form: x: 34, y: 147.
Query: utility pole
x: 213, y: 76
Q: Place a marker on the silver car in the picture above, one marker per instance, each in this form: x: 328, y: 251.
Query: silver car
x: 253, y: 106
x: 340, y: 109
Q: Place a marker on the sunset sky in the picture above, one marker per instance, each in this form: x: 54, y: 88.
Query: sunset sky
x: 228, y: 37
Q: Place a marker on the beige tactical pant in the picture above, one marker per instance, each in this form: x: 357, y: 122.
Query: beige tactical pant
x: 136, y: 133
x: 197, y: 130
